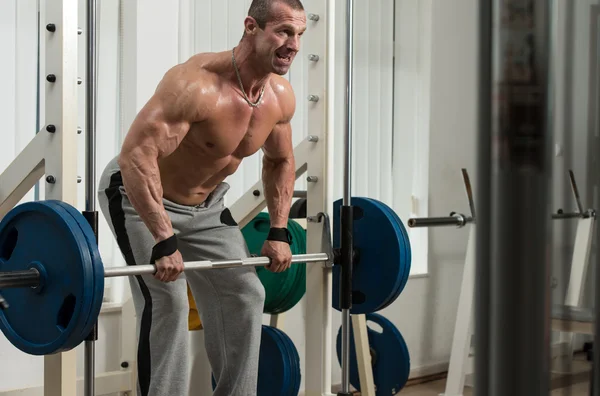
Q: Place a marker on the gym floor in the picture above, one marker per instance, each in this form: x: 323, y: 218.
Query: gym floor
x: 576, y: 384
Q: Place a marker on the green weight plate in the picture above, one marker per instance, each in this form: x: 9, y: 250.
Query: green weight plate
x: 277, y: 285
x: 255, y: 233
x: 51, y: 318
x: 298, y: 289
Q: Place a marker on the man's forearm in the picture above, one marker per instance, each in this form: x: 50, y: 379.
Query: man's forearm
x: 278, y: 181
x: 141, y: 179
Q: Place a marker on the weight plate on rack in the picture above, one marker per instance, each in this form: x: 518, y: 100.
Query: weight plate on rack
x: 281, y: 289
x: 278, y: 365
x: 382, y: 258
x: 50, y: 318
x: 298, y: 288
x: 293, y: 359
x: 390, y: 359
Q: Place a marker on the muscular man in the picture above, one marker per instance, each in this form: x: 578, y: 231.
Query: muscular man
x: 163, y: 199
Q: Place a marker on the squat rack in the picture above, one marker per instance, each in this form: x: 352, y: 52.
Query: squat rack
x: 52, y: 153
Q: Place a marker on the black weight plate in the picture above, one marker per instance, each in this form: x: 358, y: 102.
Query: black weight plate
x: 48, y: 319
x: 380, y: 264
x: 298, y: 209
x: 389, y: 353
x: 97, y: 265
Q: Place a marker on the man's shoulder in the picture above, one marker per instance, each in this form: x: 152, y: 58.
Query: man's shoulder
x: 285, y: 96
x: 281, y: 86
x: 193, y: 78
x: 199, y: 68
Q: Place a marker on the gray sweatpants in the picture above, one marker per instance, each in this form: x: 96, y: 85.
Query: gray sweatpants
x: 230, y: 301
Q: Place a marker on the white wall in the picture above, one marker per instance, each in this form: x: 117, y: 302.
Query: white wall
x: 442, y: 81
x: 576, y: 133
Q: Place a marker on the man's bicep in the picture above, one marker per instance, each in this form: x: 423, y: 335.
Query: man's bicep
x: 278, y: 145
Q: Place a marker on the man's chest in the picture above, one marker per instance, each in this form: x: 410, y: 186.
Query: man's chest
x: 235, y: 129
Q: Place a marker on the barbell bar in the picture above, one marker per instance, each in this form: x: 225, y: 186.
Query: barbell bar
x: 32, y: 277
x: 456, y: 219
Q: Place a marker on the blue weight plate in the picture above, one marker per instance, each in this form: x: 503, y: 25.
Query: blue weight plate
x: 277, y: 335
x: 296, y: 370
x: 379, y: 266
x: 389, y: 354
x: 406, y: 250
x: 398, y: 286
x: 273, y: 365
x: 97, y: 265
x: 49, y: 319
x: 273, y: 352
x: 294, y: 362
x: 80, y: 333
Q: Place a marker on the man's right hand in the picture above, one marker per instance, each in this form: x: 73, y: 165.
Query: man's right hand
x: 168, y: 268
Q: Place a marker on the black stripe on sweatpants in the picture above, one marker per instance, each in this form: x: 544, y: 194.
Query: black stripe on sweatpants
x: 117, y: 216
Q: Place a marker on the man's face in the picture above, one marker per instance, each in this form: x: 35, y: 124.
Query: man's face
x: 279, y: 42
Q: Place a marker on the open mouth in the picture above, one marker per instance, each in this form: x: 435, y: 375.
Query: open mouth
x: 283, y: 57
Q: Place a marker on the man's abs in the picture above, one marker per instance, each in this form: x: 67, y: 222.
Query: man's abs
x: 188, y: 178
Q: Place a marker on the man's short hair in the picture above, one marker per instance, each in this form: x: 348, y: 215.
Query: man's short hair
x: 260, y: 10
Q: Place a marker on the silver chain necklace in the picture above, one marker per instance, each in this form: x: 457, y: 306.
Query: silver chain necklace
x: 262, y: 90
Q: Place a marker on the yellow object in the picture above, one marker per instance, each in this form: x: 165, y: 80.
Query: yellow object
x: 194, y: 322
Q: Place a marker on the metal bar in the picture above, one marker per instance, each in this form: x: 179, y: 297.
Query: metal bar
x: 348, y: 108
x: 89, y: 379
x: 482, y: 251
x: 595, y: 372
x: 575, y: 191
x: 458, y: 221
x: 563, y: 216
x: 12, y: 279
x: 520, y: 190
x: 346, y: 210
x: 468, y: 191
x: 206, y: 264
x: 299, y: 194
x: 91, y: 85
x: 31, y: 278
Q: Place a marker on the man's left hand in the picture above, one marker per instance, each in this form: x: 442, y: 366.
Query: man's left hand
x: 279, y: 253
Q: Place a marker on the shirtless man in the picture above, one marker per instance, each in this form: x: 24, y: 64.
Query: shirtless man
x: 163, y: 195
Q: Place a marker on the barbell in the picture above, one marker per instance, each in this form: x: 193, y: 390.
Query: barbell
x: 36, y: 275
x: 52, y: 275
